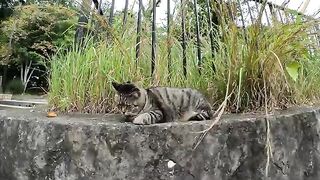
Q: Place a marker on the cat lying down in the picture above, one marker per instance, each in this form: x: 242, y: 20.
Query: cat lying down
x: 161, y: 104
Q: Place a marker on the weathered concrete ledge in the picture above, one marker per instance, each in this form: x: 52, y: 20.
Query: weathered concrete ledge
x: 33, y: 147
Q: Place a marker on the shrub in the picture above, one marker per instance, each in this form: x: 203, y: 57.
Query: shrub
x: 15, y: 86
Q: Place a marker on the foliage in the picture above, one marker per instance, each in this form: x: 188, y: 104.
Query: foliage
x: 15, y: 86
x: 266, y: 70
x: 81, y: 79
x: 36, y: 31
x: 258, y: 67
x: 6, y: 8
x: 32, y: 34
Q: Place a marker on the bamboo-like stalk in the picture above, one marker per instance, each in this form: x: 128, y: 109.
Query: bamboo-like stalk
x: 272, y: 10
x: 98, y: 6
x: 198, y: 34
x: 287, y: 20
x: 168, y: 36
x: 111, y: 13
x: 249, y: 10
x: 211, y: 32
x: 125, y: 15
x: 243, y: 23
x: 263, y: 6
x: 184, y: 44
x: 266, y: 13
x: 153, y: 51
x: 241, y: 13
x: 281, y: 19
x: 210, y: 27
x: 138, y: 40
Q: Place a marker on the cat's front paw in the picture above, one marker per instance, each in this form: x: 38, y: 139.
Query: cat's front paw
x: 141, y: 120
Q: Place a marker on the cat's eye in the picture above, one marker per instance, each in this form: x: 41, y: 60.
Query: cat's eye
x: 134, y: 106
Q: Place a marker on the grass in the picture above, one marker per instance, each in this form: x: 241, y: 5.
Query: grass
x: 271, y: 67
x: 263, y: 59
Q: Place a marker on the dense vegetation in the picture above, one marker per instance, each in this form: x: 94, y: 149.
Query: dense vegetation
x: 261, y: 66
x: 29, y: 36
x: 265, y: 66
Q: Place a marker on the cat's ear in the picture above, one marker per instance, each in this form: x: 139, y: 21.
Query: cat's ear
x: 116, y: 86
x: 125, y: 88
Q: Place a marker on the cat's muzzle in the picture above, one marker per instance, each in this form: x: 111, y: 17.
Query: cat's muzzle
x: 129, y: 118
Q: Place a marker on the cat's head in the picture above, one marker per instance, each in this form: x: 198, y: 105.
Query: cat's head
x: 130, y: 99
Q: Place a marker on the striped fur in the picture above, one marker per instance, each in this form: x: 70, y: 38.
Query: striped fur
x: 161, y: 104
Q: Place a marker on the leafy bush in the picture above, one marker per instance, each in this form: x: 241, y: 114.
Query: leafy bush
x: 15, y: 86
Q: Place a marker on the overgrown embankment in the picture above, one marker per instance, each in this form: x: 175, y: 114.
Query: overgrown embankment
x: 271, y: 67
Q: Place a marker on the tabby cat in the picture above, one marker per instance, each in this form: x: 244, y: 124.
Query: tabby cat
x: 161, y: 104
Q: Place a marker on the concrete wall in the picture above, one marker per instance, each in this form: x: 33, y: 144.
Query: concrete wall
x: 33, y: 147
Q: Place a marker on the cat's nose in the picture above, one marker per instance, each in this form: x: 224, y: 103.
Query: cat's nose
x: 129, y: 114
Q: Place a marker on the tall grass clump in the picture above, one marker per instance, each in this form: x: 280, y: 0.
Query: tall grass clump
x: 261, y: 66
x: 81, y: 78
x: 265, y: 66
x: 272, y: 63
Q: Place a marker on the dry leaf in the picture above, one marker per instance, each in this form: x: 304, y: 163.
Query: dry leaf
x: 51, y: 114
